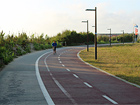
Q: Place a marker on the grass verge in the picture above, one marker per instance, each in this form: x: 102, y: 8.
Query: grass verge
x: 120, y: 60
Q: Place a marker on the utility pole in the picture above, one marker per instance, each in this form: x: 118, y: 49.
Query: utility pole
x: 95, y: 38
x: 110, y: 36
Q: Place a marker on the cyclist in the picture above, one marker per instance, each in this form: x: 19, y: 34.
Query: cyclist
x: 54, y: 44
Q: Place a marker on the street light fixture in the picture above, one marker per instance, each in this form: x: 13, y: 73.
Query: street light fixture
x: 123, y: 36
x: 87, y: 33
x: 93, y: 26
x: 95, y: 38
x: 110, y: 36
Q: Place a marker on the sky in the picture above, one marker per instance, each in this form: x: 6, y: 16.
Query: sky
x: 55, y: 16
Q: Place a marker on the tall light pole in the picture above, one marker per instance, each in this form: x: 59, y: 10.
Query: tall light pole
x: 123, y: 36
x: 93, y: 26
x: 110, y: 36
x: 87, y: 33
x: 95, y: 38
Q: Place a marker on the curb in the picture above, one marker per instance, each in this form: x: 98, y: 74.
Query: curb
x: 106, y: 72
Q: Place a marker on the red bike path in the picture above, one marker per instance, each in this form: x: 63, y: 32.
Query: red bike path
x: 69, y: 81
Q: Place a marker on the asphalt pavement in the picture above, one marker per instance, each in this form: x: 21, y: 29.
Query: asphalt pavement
x: 18, y: 82
x: 43, y: 78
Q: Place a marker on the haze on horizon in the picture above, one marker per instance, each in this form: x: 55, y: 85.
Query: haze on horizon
x: 53, y: 16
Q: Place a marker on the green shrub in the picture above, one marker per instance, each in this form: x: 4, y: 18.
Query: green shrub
x: 6, y: 60
x: 10, y: 58
x: 23, y: 52
x: 59, y: 45
x: 28, y: 49
x: 126, y: 38
x: 103, y: 42
x: 12, y: 46
x: 115, y: 41
x: 138, y: 41
x: 19, y: 52
x: 47, y: 46
x: 42, y: 46
x: 103, y: 38
x: 36, y: 46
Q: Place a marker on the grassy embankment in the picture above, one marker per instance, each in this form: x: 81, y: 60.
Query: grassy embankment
x: 120, y: 60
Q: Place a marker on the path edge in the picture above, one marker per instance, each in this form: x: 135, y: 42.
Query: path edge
x: 41, y: 84
x: 133, y: 84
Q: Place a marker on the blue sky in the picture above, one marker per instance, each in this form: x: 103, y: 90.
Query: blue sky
x: 54, y: 16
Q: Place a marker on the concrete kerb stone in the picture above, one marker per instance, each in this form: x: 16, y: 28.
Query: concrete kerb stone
x: 106, y: 72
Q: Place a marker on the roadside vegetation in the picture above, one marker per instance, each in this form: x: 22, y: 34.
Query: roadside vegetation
x: 12, y: 46
x: 120, y: 60
x: 104, y: 39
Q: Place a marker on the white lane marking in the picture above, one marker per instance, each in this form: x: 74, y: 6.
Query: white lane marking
x: 58, y: 84
x: 59, y: 59
x: 68, y: 69
x: 63, y: 65
x: 41, y: 84
x: 48, y: 70
x: 109, y: 99
x: 64, y: 91
x: 87, y: 84
x: 60, y: 62
x: 75, y: 75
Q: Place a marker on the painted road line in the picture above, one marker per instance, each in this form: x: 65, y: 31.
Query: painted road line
x: 64, y: 91
x: 59, y: 85
x: 63, y: 65
x: 60, y: 62
x: 49, y: 70
x: 51, y: 74
x: 68, y: 69
x: 87, y: 84
x: 41, y: 84
x: 75, y: 75
x: 109, y: 99
x: 59, y: 59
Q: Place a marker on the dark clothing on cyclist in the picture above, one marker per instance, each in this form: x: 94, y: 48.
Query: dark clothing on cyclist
x: 54, y: 44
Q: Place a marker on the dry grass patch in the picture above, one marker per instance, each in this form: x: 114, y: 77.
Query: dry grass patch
x: 121, y: 60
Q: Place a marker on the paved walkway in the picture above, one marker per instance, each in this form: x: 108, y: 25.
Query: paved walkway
x: 70, y: 81
x: 64, y: 80
x: 18, y: 82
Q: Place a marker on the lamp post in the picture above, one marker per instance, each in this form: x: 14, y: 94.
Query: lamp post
x: 95, y: 38
x: 93, y: 26
x: 123, y: 36
x: 87, y: 33
x: 110, y: 36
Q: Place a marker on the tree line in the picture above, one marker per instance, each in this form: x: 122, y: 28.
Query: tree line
x: 115, y: 39
x: 12, y: 46
x: 73, y: 38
